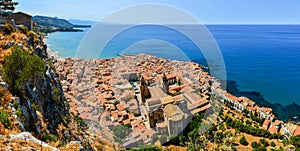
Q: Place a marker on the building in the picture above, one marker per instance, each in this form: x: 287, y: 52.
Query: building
x: 154, y: 111
x: 165, y: 84
x: 20, y: 18
x: 130, y: 76
x: 175, y: 119
x: 144, y: 90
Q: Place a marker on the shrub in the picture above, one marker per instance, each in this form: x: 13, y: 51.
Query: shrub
x: 80, y: 121
x: 121, y: 132
x: 264, y: 142
x: 20, y: 67
x: 295, y: 140
x: 7, y: 29
x: 255, y: 145
x: 23, y: 30
x: 4, y: 119
x: 243, y: 141
x: 16, y: 104
x: 273, y: 144
x: 49, y: 137
x: 19, y: 112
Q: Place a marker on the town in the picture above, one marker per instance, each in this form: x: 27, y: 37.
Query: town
x: 151, y: 96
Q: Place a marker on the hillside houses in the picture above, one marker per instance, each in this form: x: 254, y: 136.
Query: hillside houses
x: 247, y: 106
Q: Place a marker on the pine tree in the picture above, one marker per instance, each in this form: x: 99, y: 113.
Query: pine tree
x: 7, y: 6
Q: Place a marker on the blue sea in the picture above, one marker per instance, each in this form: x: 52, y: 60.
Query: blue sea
x: 263, y: 58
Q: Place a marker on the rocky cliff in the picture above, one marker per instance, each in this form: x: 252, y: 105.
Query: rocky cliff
x: 41, y: 109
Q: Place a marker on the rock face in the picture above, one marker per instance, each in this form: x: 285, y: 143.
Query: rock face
x: 28, y: 137
x: 44, y: 94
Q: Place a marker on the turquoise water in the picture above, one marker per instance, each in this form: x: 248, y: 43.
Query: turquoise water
x: 263, y: 58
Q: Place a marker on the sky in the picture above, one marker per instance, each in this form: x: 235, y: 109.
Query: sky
x: 207, y: 11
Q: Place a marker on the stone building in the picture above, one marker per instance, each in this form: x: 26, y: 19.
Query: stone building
x: 154, y: 111
x: 20, y: 18
x: 144, y: 90
x: 165, y: 84
x: 175, y: 119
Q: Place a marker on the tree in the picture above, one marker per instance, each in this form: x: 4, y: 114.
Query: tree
x: 264, y: 142
x: 295, y: 140
x: 7, y: 6
x: 121, y: 132
x: 20, y: 67
x: 243, y: 141
x: 273, y: 144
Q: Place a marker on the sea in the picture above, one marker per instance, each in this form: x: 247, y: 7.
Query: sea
x: 262, y: 58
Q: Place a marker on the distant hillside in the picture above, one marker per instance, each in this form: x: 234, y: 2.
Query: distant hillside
x: 52, y: 24
x: 52, y: 21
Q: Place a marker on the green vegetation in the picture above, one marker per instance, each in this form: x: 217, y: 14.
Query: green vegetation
x: 143, y: 147
x: 8, y: 29
x: 17, y: 107
x: 243, y: 141
x: 259, y: 120
x: 55, y: 94
x: 249, y: 129
x: 264, y: 142
x: 7, y: 6
x: 121, y: 132
x: 20, y: 67
x: 273, y: 144
x: 80, y: 121
x: 258, y: 147
x: 49, y: 137
x: 45, y: 24
x: 295, y: 140
x: 4, y: 119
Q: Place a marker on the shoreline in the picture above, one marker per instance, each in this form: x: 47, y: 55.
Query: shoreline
x: 52, y: 54
x: 282, y: 112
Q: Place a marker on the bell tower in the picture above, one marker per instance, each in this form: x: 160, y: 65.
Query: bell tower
x: 144, y: 90
x: 165, y: 84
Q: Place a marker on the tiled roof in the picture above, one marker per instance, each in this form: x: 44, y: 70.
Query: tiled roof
x: 297, y: 131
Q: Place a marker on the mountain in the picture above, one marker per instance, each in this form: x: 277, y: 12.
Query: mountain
x: 47, y: 24
x: 52, y: 21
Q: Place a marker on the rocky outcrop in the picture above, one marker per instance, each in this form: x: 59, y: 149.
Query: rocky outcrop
x: 44, y: 94
x: 26, y: 136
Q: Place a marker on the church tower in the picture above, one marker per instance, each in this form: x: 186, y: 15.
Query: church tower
x: 165, y: 84
x: 144, y: 90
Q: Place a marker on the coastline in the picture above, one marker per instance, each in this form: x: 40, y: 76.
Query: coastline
x: 282, y: 112
x: 52, y: 54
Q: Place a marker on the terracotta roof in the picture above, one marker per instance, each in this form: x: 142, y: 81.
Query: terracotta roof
x: 171, y: 76
x: 266, y: 110
x: 232, y: 97
x: 197, y: 110
x: 297, y: 131
x: 176, y: 88
x: 266, y: 124
x: 272, y: 129
x: 126, y: 121
x: 120, y: 107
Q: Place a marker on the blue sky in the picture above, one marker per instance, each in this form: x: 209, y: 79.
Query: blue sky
x: 207, y: 11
